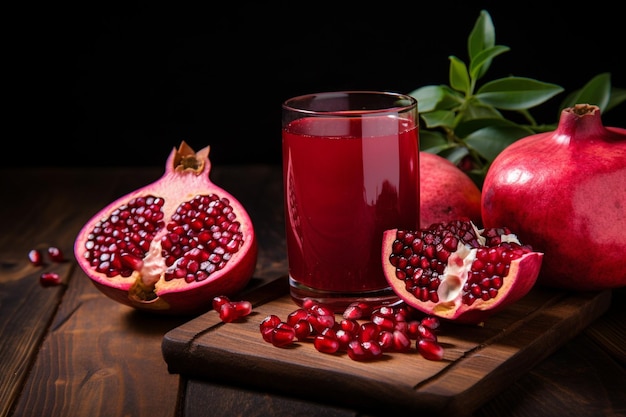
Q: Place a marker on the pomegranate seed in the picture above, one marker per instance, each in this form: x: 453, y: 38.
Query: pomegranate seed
x: 426, y: 333
x: 385, y: 311
x: 430, y: 349
x: 243, y: 308
x: 228, y: 313
x: 297, y: 315
x: 401, y: 326
x: 364, y: 351
x: 431, y: 322
x: 308, y: 303
x: 303, y: 329
x: 55, y: 254
x: 384, y: 322
x: 49, y: 279
x: 270, y: 322
x: 401, y: 342
x: 357, y: 310
x: 368, y: 331
x: 218, y: 301
x: 326, y: 342
x: 34, y: 256
x: 267, y: 326
x: 356, y: 352
x: 385, y: 340
x: 350, y: 326
x: 413, y: 329
x: 283, y: 335
x: 320, y: 310
x: 343, y: 337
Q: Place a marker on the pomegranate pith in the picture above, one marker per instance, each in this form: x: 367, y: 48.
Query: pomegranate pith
x: 455, y: 271
x: 173, y: 245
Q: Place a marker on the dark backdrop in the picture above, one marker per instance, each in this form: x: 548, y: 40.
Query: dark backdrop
x: 122, y: 85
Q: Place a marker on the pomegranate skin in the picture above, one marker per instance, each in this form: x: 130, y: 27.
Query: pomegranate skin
x: 446, y: 192
x: 564, y: 193
x: 186, y: 176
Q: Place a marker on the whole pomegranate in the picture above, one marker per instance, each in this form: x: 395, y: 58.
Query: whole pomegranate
x: 446, y: 192
x: 173, y: 245
x: 564, y: 193
x: 455, y: 271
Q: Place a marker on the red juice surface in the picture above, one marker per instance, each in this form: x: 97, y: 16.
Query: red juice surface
x: 347, y: 180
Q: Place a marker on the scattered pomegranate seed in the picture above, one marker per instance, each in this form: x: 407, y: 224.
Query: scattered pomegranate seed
x: 401, y: 341
x: 34, y: 256
x: 267, y: 326
x: 297, y: 315
x: 357, y: 310
x: 431, y: 322
x: 326, y: 342
x: 364, y: 351
x: 49, y: 279
x: 391, y: 329
x: 282, y: 335
x: 303, y: 329
x: 430, y: 349
x: 426, y: 333
x: 55, y: 254
x: 230, y: 311
x: 219, y: 300
x: 243, y: 308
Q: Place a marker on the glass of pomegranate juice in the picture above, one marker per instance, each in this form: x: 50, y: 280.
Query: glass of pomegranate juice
x: 350, y: 172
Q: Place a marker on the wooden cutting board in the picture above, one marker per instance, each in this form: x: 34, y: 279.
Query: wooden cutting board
x: 479, y: 361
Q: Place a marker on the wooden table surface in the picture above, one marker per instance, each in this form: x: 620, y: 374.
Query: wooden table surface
x: 70, y: 351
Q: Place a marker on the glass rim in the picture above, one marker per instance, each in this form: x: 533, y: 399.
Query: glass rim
x: 405, y: 103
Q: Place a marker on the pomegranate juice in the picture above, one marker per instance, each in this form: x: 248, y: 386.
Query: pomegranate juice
x: 346, y: 181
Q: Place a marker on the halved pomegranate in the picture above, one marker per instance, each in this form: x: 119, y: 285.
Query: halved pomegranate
x: 455, y: 271
x: 173, y: 245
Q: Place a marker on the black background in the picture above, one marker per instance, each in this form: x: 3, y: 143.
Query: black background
x: 110, y: 84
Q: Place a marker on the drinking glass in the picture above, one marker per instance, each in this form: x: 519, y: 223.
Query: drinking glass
x: 350, y: 172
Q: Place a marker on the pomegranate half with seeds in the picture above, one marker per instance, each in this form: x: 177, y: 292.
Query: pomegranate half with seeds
x: 173, y: 245
x: 457, y: 272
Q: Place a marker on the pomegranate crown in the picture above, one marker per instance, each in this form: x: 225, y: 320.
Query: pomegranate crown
x: 186, y: 159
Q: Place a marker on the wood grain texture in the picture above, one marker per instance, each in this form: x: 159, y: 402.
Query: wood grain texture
x: 69, y: 350
x: 479, y: 361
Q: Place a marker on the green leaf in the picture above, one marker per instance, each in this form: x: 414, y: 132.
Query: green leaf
x: 434, y: 97
x: 482, y: 37
x: 459, y: 77
x: 438, y: 118
x: 478, y: 110
x: 516, y: 93
x: 427, y: 97
x: 454, y: 154
x: 432, y: 141
x: 492, y: 140
x: 466, y: 127
x: 618, y: 96
x: 597, y: 91
x: 483, y: 58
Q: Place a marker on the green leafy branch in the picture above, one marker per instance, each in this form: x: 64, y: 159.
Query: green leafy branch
x: 466, y: 123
